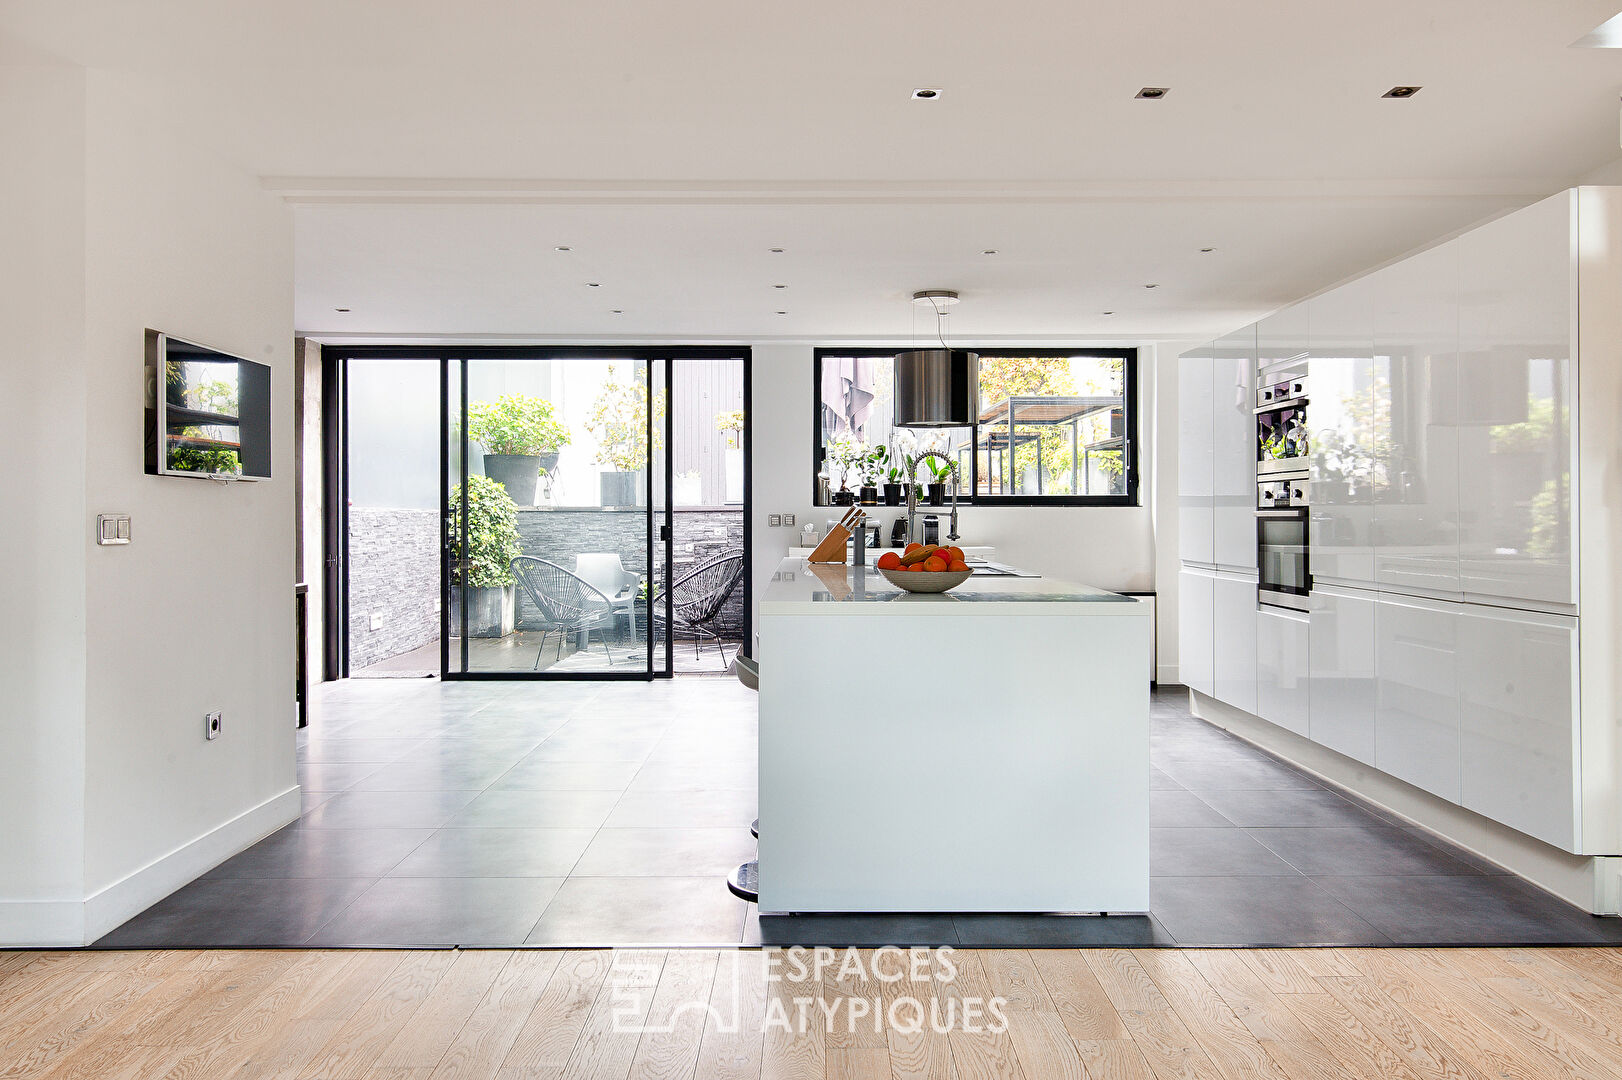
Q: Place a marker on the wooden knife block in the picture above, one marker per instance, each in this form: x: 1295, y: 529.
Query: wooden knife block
x: 832, y: 548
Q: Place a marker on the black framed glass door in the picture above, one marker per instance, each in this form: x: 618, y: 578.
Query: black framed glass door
x: 555, y: 516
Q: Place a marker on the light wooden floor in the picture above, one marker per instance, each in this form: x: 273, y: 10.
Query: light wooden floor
x: 1106, y: 1014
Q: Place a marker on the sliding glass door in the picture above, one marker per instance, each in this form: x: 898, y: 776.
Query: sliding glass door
x: 554, y: 513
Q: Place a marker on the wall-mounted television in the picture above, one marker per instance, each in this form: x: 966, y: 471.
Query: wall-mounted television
x: 207, y: 412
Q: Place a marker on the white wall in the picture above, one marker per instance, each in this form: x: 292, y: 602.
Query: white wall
x: 113, y: 654
x: 1112, y: 547
x: 42, y: 577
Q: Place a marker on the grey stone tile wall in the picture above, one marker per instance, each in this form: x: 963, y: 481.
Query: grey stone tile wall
x: 394, y: 573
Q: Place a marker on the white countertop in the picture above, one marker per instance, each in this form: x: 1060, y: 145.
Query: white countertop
x: 983, y: 553
x: 799, y: 588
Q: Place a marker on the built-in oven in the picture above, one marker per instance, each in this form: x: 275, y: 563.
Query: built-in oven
x: 1283, y: 573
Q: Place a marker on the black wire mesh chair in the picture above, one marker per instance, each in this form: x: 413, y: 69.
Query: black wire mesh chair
x: 569, y: 605
x: 696, y: 600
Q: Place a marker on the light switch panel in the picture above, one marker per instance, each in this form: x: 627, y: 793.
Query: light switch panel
x: 788, y: 521
x: 112, y: 529
x: 774, y: 520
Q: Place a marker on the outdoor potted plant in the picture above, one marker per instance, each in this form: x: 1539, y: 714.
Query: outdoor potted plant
x: 619, y: 423
x: 871, y: 467
x: 846, y: 452
x: 521, y: 439
x: 483, y: 576
x: 894, y: 470
x: 730, y: 424
x: 935, y: 490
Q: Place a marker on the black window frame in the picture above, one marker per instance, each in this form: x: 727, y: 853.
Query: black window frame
x: 970, y: 495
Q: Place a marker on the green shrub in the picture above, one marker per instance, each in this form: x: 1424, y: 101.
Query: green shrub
x: 492, y: 533
x: 516, y: 424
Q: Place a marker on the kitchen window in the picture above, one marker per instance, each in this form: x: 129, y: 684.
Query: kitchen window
x: 1053, y: 427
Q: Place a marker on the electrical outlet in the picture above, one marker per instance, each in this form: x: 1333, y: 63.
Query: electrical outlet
x: 212, y: 720
x: 788, y: 521
x: 774, y: 520
x: 377, y: 621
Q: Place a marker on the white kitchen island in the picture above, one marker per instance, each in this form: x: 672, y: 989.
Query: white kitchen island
x: 985, y: 749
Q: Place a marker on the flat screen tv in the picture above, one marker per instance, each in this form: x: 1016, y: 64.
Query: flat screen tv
x: 207, y: 412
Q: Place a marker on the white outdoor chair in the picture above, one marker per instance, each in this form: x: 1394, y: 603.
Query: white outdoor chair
x: 607, y: 574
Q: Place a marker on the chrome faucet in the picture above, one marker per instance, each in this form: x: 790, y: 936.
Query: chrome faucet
x: 912, y: 493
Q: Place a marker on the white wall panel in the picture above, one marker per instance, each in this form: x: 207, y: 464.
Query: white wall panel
x: 1344, y: 466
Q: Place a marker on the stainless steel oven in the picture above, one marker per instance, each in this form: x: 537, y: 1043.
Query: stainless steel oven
x: 1283, y: 574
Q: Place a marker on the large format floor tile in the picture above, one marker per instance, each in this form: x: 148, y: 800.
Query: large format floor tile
x: 631, y: 911
x: 1256, y: 911
x: 228, y: 912
x: 441, y: 911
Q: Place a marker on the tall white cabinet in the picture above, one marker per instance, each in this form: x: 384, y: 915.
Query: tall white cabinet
x: 1466, y: 417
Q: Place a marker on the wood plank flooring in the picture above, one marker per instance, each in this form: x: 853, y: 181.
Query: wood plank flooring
x: 1064, y: 1014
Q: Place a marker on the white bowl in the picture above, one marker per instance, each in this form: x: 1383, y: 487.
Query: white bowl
x: 925, y: 580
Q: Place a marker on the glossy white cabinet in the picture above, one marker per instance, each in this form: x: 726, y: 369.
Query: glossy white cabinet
x: 1234, y: 441
x: 1234, y: 640
x: 1195, y: 458
x: 1514, y: 405
x: 1284, y: 335
x: 1344, y: 465
x: 1518, y: 734
x: 1416, y: 723
x: 1341, y: 697
x: 1282, y: 668
x: 1196, y: 623
x: 1416, y: 335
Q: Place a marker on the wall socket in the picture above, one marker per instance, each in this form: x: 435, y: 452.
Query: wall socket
x: 377, y: 621
x: 212, y: 722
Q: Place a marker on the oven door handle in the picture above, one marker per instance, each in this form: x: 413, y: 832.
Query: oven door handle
x: 1298, y: 512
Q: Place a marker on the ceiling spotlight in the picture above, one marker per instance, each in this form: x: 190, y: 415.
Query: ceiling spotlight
x: 926, y: 93
x: 616, y: 311
x: 782, y: 313
x: 1153, y: 93
x: 594, y: 284
x: 779, y: 286
x: 341, y: 310
x: 1151, y: 286
x: 1402, y: 91
x: 989, y: 251
x: 1109, y: 313
x: 561, y: 247
x: 1206, y: 251
x: 775, y: 251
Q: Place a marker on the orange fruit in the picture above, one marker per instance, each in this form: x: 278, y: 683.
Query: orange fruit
x: 889, y: 561
x: 952, y: 554
x: 934, y: 564
x: 957, y: 564
x: 910, y: 548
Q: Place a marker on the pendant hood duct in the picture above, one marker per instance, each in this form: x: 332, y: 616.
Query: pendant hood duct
x: 936, y: 388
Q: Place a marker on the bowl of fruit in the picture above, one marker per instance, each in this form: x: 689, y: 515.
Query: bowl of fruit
x: 926, y: 568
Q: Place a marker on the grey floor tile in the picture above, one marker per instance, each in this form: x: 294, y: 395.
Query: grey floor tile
x: 1476, y: 862
x: 388, y: 809
x: 591, y: 747
x: 1047, y: 931
x: 1159, y: 779
x: 333, y: 777
x: 470, y: 753
x: 649, y: 911
x: 1286, y: 809
x: 518, y: 809
x: 1205, y: 852
x: 727, y: 775
x: 298, y: 852
x: 1357, y: 852
x: 1238, y: 911
x: 235, y: 912
x: 1474, y: 910
x: 532, y: 774
x: 684, y: 809
x: 441, y: 911
x: 432, y: 776
x: 843, y: 931
x: 666, y: 852
x: 343, y: 751
x: 496, y: 853
x: 1174, y: 808
x: 1229, y: 775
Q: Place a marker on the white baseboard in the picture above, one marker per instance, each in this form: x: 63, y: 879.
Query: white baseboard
x: 67, y: 922
x: 1583, y: 880
x: 1166, y: 675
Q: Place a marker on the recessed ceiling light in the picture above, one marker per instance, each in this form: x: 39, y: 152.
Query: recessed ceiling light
x: 782, y: 313
x: 1206, y: 251
x: 779, y: 286
x: 617, y: 311
x: 594, y: 284
x: 989, y: 251
x: 775, y: 251
x: 341, y: 310
x: 1153, y: 93
x: 926, y: 93
x: 1402, y: 91
x: 1109, y: 313
x: 1151, y: 286
x: 562, y: 247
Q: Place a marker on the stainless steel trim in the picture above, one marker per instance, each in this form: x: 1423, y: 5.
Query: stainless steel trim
x: 1283, y: 512
x: 1291, y: 601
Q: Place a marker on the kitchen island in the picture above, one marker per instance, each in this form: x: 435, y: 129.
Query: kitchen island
x: 985, y: 749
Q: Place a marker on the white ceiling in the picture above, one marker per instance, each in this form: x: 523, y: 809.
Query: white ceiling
x: 438, y: 151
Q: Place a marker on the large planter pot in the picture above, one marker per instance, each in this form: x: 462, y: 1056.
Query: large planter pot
x: 520, y: 474
x: 489, y: 611
x: 734, y: 471
x: 619, y: 488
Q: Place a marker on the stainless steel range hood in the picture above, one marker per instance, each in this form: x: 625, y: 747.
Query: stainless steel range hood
x: 936, y: 388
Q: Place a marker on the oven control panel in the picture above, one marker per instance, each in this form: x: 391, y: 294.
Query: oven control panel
x: 1283, y: 493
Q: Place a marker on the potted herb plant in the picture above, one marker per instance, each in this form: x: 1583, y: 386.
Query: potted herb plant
x: 871, y: 467
x: 619, y: 423
x: 521, y: 438
x: 482, y: 579
x: 731, y: 425
x: 935, y: 490
x: 893, y: 468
